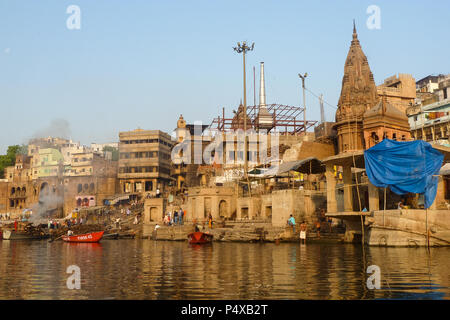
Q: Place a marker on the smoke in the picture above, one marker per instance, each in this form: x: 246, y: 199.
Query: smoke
x: 57, y: 128
x: 48, y: 202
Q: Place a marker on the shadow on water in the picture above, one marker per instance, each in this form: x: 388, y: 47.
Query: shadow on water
x: 144, y: 269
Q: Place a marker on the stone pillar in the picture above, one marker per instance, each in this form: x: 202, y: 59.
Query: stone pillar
x: 331, y: 188
x: 440, y: 194
x: 348, y: 197
x: 374, y: 198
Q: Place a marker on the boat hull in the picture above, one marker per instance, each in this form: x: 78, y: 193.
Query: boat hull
x: 84, y: 238
x: 110, y: 236
x: 199, y: 238
x: 14, y: 235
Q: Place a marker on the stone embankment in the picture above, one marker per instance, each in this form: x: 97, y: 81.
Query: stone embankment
x: 240, y: 231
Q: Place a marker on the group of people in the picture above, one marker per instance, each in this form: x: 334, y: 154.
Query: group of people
x: 303, y: 226
x: 53, y: 224
x: 157, y: 194
x: 177, y: 217
x: 74, y: 222
x: 5, y: 216
x: 125, y: 212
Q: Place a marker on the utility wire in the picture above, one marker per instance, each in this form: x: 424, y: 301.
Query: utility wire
x: 315, y: 95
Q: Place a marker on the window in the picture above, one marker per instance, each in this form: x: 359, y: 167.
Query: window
x: 445, y: 93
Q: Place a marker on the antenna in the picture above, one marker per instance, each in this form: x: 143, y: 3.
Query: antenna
x: 322, y: 111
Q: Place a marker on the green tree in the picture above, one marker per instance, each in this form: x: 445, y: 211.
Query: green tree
x: 114, y: 151
x: 9, y: 159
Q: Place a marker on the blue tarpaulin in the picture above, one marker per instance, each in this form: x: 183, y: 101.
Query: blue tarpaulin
x: 405, y: 166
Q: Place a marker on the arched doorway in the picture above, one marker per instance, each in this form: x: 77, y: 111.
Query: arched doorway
x: 153, y: 213
x: 223, y: 209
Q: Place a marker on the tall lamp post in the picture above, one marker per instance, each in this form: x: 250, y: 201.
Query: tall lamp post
x: 304, y: 103
x: 243, y: 49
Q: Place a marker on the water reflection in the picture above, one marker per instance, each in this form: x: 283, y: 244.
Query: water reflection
x: 143, y: 269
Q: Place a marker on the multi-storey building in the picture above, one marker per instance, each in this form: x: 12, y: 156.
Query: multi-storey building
x: 430, y: 119
x: 144, y: 160
x: 56, y: 178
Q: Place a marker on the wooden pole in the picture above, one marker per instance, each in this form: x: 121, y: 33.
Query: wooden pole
x: 426, y: 226
x: 384, y: 209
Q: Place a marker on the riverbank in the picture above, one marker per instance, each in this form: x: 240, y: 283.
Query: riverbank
x: 238, y: 231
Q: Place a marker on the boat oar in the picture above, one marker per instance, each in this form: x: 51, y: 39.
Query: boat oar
x: 51, y: 240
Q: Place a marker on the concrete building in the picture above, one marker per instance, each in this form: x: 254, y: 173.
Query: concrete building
x: 428, y: 84
x: 399, y: 90
x: 98, y: 147
x: 429, y: 120
x: 144, y: 160
x: 49, y: 162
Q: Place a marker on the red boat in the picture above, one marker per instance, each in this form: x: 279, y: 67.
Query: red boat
x: 87, y: 237
x: 199, y: 238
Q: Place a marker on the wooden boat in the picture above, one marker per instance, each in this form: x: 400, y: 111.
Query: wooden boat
x: 199, y: 237
x: 87, y: 237
x: 20, y: 235
x: 110, y: 236
x: 129, y: 235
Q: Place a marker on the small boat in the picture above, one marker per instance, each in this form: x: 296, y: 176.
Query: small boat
x: 131, y: 235
x: 199, y: 237
x: 87, y: 237
x: 110, y: 236
x: 20, y: 235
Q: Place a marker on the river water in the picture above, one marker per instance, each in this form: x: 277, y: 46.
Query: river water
x: 145, y: 269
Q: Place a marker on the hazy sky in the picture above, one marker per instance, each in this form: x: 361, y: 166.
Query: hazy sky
x: 142, y: 63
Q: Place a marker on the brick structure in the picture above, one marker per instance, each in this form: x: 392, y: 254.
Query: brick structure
x: 358, y: 94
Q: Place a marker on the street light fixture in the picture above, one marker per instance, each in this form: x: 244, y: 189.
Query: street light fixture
x: 244, y: 48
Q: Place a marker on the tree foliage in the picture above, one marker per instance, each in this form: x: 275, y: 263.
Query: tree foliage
x: 9, y: 159
x: 114, y: 151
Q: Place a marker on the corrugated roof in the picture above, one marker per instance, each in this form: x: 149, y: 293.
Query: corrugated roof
x: 307, y: 165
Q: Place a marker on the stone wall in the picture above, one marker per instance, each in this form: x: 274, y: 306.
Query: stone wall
x: 302, y: 204
x: 217, y: 201
x: 154, y: 210
x: 248, y: 208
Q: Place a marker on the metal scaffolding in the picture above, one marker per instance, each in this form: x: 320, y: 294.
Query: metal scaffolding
x: 286, y: 119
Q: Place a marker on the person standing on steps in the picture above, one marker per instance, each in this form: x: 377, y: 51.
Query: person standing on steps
x: 303, y: 228
x: 318, y: 228
x: 180, y: 216
x: 210, y: 221
x: 291, y: 222
x: 175, y: 217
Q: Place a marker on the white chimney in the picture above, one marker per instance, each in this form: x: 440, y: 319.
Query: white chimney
x: 265, y: 120
x: 262, y: 88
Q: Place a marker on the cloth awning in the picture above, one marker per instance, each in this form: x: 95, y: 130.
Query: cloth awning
x: 309, y: 165
x: 405, y: 166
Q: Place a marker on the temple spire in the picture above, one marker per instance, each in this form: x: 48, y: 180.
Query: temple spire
x: 355, y: 35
